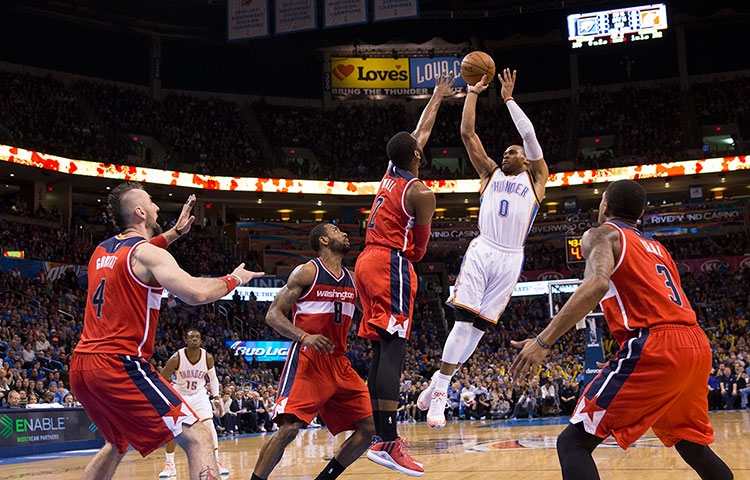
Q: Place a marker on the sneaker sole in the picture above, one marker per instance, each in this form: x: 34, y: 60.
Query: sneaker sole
x: 167, y: 476
x: 433, y: 424
x: 388, y: 462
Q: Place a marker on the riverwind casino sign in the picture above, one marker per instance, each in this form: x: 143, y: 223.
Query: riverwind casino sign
x: 389, y: 77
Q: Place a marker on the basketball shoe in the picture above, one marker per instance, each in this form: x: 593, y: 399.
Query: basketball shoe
x: 394, y: 456
x: 222, y: 469
x: 168, y: 471
x: 423, y: 401
x: 436, y: 413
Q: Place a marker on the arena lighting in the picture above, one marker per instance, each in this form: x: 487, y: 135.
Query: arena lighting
x: 194, y: 181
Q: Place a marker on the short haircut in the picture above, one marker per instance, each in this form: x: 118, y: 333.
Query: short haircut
x: 194, y: 329
x: 319, y: 230
x: 401, y: 148
x: 114, y: 203
x: 626, y: 199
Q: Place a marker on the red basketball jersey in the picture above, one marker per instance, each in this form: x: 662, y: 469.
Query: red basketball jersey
x: 390, y: 224
x: 326, y: 308
x: 121, y: 311
x: 644, y: 289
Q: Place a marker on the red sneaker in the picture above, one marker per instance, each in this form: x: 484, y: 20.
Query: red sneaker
x: 394, y: 456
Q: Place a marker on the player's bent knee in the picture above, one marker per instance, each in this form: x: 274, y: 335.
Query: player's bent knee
x: 463, y: 315
x: 197, y: 432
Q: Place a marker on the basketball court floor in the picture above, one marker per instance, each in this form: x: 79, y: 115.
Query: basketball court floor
x: 507, y: 449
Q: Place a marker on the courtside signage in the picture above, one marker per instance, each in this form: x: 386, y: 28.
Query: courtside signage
x: 264, y: 351
x: 23, y: 427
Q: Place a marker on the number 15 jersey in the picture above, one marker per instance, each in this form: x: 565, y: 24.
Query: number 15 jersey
x: 644, y: 288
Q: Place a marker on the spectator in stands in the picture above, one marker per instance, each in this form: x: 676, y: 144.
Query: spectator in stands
x: 728, y: 388
x: 13, y: 401
x: 715, y: 401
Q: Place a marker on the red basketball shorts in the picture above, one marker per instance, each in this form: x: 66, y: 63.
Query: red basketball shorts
x: 658, y: 380
x: 313, y: 383
x: 128, y: 401
x: 387, y: 285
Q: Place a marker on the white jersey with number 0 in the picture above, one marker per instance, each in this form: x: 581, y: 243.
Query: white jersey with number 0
x: 508, y: 208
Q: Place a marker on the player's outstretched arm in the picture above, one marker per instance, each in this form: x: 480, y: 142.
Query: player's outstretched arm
x: 483, y: 164
x: 538, y: 166
x: 151, y: 263
x: 601, y: 246
x: 299, y: 281
x: 443, y: 89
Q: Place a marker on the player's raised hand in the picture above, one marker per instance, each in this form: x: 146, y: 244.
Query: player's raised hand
x: 319, y: 343
x: 185, y: 220
x: 444, y: 84
x: 480, y: 86
x: 508, y: 82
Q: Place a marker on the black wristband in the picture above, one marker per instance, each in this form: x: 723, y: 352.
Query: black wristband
x: 179, y: 233
x: 542, y: 344
x: 474, y: 92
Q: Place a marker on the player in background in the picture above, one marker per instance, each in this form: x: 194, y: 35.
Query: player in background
x: 659, y: 377
x: 317, y: 376
x: 510, y: 198
x: 397, y: 234
x: 110, y: 373
x: 193, y: 369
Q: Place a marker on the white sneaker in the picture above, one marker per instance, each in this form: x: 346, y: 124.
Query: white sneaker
x: 436, y: 413
x: 425, y: 396
x: 168, y: 471
x: 222, y: 469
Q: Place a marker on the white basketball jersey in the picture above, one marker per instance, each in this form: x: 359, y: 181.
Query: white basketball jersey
x: 508, y: 206
x: 190, y: 377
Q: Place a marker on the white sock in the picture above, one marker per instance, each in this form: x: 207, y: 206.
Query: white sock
x: 210, y: 424
x: 216, y: 453
x: 170, y: 458
x: 441, y: 382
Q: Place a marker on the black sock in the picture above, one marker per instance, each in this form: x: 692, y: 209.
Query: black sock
x: 388, y: 425
x: 376, y: 419
x: 332, y: 470
x: 255, y: 477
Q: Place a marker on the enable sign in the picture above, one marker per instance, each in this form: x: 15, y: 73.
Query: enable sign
x: 264, y: 350
x: 22, y: 427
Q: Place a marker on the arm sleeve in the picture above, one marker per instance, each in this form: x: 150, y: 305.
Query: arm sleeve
x: 526, y: 129
x: 421, y: 237
x: 213, y: 382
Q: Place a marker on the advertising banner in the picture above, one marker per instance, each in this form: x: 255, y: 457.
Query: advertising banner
x: 295, y: 16
x: 264, y: 350
x: 393, y: 77
x: 339, y: 13
x: 247, y: 19
x: 31, y: 428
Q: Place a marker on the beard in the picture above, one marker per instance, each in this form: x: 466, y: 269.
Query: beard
x: 342, y: 248
x: 155, y: 229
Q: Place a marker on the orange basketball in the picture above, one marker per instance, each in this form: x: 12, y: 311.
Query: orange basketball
x: 476, y: 64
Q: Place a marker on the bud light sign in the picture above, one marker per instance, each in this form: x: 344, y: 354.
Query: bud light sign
x: 264, y: 350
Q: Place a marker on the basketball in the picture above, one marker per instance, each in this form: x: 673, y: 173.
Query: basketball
x: 476, y: 64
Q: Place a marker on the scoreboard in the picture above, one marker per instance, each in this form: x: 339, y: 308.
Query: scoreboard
x: 622, y: 25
